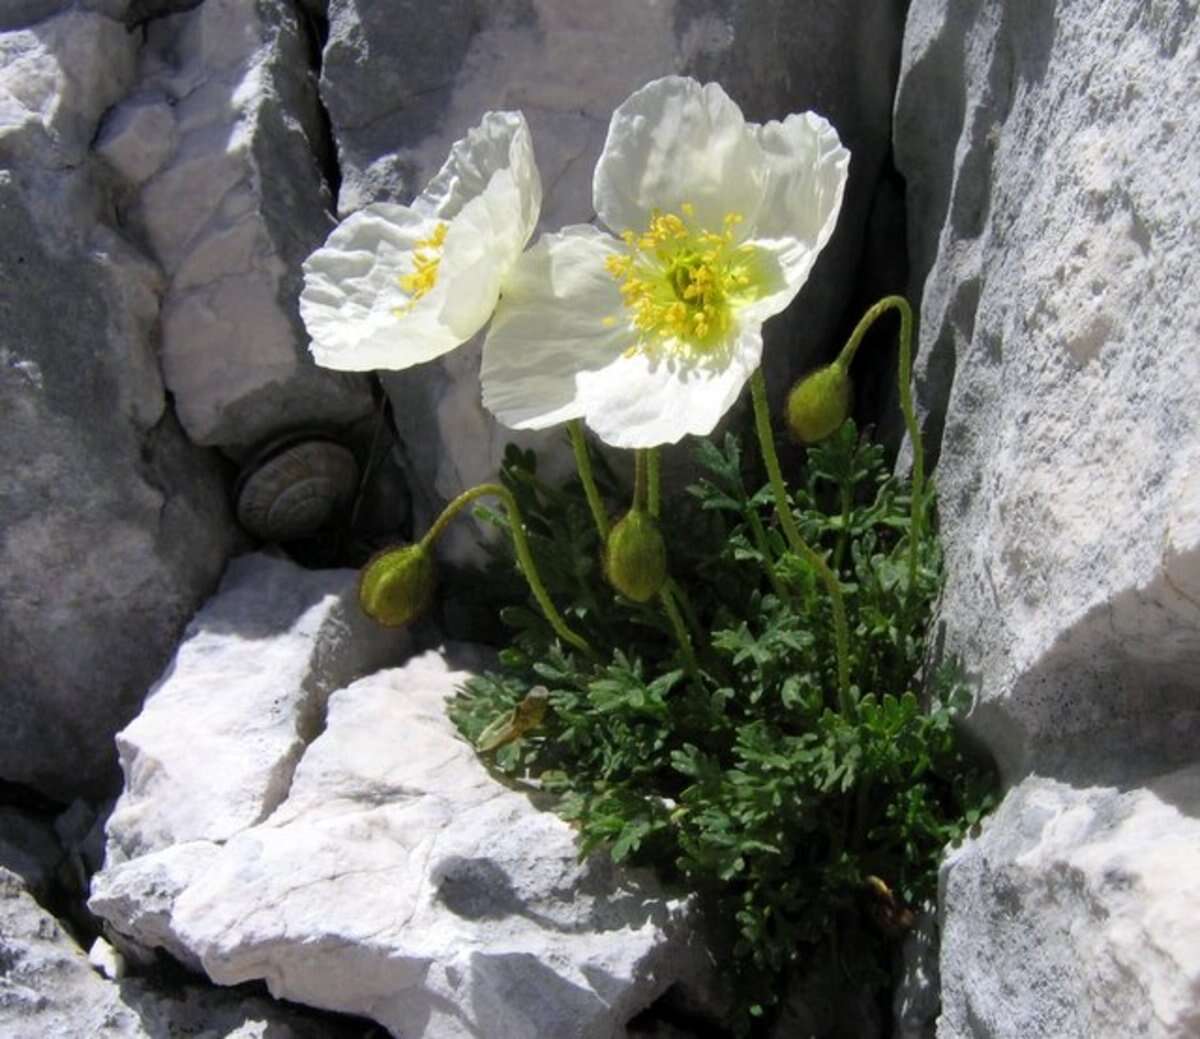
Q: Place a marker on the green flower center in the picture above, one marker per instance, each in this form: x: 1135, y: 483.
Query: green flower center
x: 682, y: 283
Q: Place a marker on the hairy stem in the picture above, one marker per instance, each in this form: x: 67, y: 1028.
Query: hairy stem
x: 845, y: 358
x: 653, y: 482
x: 524, y: 555
x: 681, y: 632
x: 584, y: 465
x: 762, y: 423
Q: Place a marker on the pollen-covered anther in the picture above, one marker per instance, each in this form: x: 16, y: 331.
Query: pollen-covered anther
x: 679, y: 282
x: 427, y: 254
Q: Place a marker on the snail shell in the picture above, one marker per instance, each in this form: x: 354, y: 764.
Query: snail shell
x: 294, y: 487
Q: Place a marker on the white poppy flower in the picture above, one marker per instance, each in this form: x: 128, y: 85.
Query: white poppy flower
x: 398, y: 285
x: 651, y: 335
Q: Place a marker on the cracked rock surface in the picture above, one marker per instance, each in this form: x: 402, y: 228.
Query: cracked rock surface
x: 220, y: 144
x: 112, y: 526
x: 399, y: 881
x: 1052, y: 191
x: 1053, y: 208
x: 48, y: 989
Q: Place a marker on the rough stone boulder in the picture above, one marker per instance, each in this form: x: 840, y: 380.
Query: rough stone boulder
x: 403, y: 82
x: 375, y: 867
x: 48, y: 988
x: 1093, y: 892
x: 1052, y: 203
x: 1052, y: 189
x: 219, y: 147
x: 112, y: 526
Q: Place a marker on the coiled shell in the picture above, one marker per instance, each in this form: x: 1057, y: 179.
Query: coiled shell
x: 295, y: 487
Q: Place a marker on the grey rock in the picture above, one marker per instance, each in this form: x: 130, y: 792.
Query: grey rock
x: 1073, y: 915
x: 230, y: 213
x: 28, y: 849
x: 396, y: 879
x: 1052, y: 196
x: 1051, y: 188
x: 216, y: 745
x: 402, y: 83
x: 916, y: 1002
x: 48, y: 988
x: 137, y: 137
x: 112, y: 527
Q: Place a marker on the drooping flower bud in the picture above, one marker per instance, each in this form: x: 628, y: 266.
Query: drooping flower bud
x: 635, y: 556
x: 819, y: 403
x: 396, y: 585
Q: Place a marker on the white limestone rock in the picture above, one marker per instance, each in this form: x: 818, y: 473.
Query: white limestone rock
x: 137, y: 137
x: 235, y: 202
x: 1074, y: 915
x: 399, y: 881
x: 1053, y: 199
x: 49, y: 989
x: 402, y: 82
x: 214, y: 749
x: 56, y: 80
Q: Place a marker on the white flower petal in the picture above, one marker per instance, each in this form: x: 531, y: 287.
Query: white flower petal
x: 482, y: 244
x: 501, y: 141
x: 808, y: 168
x: 644, y: 400
x: 488, y: 194
x: 550, y: 329
x: 352, y: 292
x: 675, y: 142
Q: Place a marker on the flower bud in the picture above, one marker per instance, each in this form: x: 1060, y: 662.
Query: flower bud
x: 396, y: 585
x: 635, y: 556
x: 819, y: 403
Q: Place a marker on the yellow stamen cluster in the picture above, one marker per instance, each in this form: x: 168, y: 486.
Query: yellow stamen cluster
x: 681, y: 282
x: 426, y: 256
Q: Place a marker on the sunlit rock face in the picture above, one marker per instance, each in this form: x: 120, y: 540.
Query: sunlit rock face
x: 1052, y: 200
x: 220, y: 146
x: 402, y: 83
x: 347, y: 847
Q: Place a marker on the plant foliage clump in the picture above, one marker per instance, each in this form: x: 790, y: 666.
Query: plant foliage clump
x: 807, y: 822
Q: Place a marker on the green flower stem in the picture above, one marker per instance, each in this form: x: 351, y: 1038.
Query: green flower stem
x: 639, y: 480
x: 653, y: 481
x: 584, y: 464
x: 762, y: 423
x: 764, y: 550
x: 681, y: 632
x: 846, y: 357
x: 520, y: 543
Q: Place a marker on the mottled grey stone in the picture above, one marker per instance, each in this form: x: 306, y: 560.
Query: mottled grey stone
x: 48, y: 988
x: 1073, y: 915
x: 1053, y: 199
x: 230, y: 213
x: 113, y: 526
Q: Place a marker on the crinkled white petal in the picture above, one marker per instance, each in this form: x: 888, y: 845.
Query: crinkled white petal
x: 550, y: 329
x: 483, y: 242
x: 352, y: 292
x: 647, y: 399
x: 500, y: 142
x: 489, y: 194
x: 675, y: 142
x: 808, y: 168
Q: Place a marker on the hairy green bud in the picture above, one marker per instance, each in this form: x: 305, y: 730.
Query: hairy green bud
x: 396, y: 585
x: 819, y: 403
x: 635, y: 556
